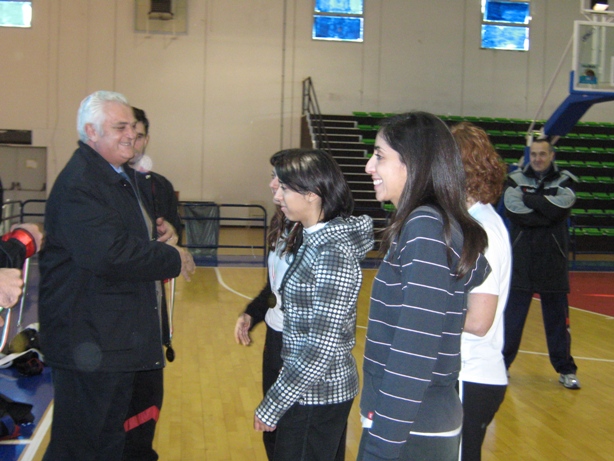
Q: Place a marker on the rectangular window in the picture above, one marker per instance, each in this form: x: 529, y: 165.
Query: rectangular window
x: 15, y: 14
x: 340, y: 20
x: 510, y: 12
x: 505, y: 25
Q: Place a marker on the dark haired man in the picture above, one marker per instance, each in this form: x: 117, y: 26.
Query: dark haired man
x: 538, y: 200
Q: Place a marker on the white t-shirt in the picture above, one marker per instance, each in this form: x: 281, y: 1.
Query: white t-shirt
x: 482, y: 359
x: 278, y: 265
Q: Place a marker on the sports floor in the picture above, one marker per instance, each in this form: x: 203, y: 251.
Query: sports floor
x: 214, y: 385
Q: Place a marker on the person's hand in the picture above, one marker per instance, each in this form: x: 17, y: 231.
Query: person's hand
x: 34, y: 230
x: 187, y: 262
x: 261, y: 427
x: 166, y: 231
x: 11, y: 287
x: 244, y: 322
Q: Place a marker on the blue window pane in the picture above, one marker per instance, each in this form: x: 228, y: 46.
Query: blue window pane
x: 15, y: 14
x: 337, y: 28
x: 339, y: 6
x: 510, y: 12
x: 505, y: 37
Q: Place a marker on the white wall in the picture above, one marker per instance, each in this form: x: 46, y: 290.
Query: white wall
x: 227, y: 95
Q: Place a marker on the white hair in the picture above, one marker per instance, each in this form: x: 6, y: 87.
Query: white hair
x: 92, y: 111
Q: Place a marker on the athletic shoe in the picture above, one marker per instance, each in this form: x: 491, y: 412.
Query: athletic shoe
x: 570, y: 381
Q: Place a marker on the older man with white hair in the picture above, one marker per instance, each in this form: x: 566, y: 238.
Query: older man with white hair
x: 99, y: 306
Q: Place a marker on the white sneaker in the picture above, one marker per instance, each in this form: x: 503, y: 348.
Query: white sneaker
x: 570, y: 381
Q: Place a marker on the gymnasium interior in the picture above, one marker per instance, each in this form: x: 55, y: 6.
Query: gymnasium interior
x: 226, y: 84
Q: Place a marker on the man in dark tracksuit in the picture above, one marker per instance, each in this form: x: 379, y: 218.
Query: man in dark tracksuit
x: 538, y: 200
x: 98, y: 302
x: 147, y: 398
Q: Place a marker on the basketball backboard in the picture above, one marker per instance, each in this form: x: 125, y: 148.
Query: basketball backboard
x: 593, y: 57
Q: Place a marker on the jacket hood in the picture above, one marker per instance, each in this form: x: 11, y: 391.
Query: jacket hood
x: 354, y: 233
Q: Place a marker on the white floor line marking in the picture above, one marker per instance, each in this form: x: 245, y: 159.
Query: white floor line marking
x: 220, y: 280
x: 42, y: 429
x: 609, y: 317
x: 592, y: 359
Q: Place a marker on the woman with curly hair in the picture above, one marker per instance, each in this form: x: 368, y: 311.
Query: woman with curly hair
x: 483, y: 378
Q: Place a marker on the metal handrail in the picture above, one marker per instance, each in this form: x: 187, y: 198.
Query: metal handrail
x: 311, y: 109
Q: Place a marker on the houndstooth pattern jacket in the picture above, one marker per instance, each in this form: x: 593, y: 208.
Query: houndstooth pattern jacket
x: 319, y: 291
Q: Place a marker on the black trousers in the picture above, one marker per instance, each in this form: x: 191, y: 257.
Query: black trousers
x: 143, y: 412
x: 313, y: 433
x: 480, y: 403
x: 271, y: 366
x: 555, y: 312
x: 89, y: 411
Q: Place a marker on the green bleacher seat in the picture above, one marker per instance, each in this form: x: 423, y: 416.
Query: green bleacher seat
x: 608, y: 231
x: 502, y: 146
x: 564, y: 149
x: 510, y: 160
x: 563, y: 163
x: 584, y: 195
x: 494, y: 132
x: 598, y: 150
x: 605, y: 179
x: 510, y: 133
x: 519, y: 147
x: 365, y: 127
x: 471, y: 118
x: 578, y: 211
x: 588, y: 179
x: 601, y: 195
x: 577, y: 163
x: 368, y: 141
x: 592, y: 231
x: 581, y: 149
x: 571, y: 135
x: 607, y: 164
x: 377, y: 114
x: 609, y: 211
x: 603, y: 137
x: 388, y: 207
x: 595, y: 212
x: 360, y: 114
x: 592, y: 164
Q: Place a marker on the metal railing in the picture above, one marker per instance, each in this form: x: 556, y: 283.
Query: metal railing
x: 311, y: 111
x: 216, y: 218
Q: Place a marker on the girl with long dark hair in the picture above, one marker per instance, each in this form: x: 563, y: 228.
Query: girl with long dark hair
x: 409, y: 406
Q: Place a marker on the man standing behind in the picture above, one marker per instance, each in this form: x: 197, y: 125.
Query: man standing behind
x: 147, y: 397
x: 538, y: 200
x: 156, y: 186
x: 98, y: 305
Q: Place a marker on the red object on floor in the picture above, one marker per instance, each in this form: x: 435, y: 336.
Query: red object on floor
x: 592, y: 291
